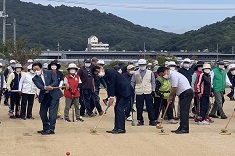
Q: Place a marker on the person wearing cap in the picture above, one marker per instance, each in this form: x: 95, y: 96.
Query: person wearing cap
x: 49, y: 96
x: 181, y: 87
x: 127, y: 76
x: 162, y: 90
x: 87, y: 88
x: 231, y: 76
x: 72, y: 92
x: 118, y: 87
x: 143, y: 81
x: 54, y: 66
x: 155, y: 68
x: 29, y: 62
x: 124, y: 69
x: 195, y: 77
x: 204, y: 90
x: 171, y: 65
x: 27, y: 90
x: 2, y: 82
x: 45, y: 66
x: 10, y: 69
x: 149, y: 66
x: 219, y: 81
x: 13, y: 88
x: 188, y: 73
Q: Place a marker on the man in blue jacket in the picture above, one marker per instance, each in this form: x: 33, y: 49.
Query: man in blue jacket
x: 122, y: 89
x: 49, y: 97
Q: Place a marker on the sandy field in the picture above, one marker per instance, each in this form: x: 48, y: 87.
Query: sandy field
x: 19, y: 137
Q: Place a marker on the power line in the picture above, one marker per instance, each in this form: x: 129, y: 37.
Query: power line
x: 152, y: 7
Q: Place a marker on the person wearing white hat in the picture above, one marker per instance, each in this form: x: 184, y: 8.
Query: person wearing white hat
x: 27, y: 90
x: 13, y: 88
x: 72, y: 92
x: 171, y: 65
x: 204, y: 90
x: 231, y: 76
x: 2, y: 82
x: 143, y: 81
x: 10, y: 69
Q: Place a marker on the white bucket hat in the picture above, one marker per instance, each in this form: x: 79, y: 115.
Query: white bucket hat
x: 72, y: 66
x: 206, y: 66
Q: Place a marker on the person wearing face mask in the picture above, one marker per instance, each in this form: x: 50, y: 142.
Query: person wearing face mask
x: 195, y: 77
x: 220, y: 80
x: 55, y: 66
x: 129, y: 72
x: 143, y: 81
x: 10, y: 69
x: 2, y: 82
x: 27, y: 90
x: 118, y: 68
x: 162, y: 90
x: 119, y: 87
x: 49, y: 96
x: 13, y: 88
x: 72, y: 92
x: 204, y: 90
x: 87, y: 88
x: 180, y: 87
x: 231, y: 76
x: 171, y: 65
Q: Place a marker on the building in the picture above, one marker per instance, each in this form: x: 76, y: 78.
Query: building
x: 95, y: 45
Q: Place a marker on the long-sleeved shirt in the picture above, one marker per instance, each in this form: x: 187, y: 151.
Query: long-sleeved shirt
x: 228, y: 83
x: 142, y: 74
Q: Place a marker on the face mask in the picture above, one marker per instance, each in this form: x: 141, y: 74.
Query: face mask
x: 199, y: 68
x: 221, y: 66
x: 31, y: 71
x: 132, y: 72
x: 38, y: 72
x: 53, y: 67
x: 72, y: 71
x: 120, y: 71
x: 172, y: 68
x: 142, y: 67
x: 166, y: 76
x: 13, y: 65
x: 186, y: 66
x: 233, y: 72
x: 101, y: 74
x: 207, y: 71
x: 87, y: 64
x: 18, y: 70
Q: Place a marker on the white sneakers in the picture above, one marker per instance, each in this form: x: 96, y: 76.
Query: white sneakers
x: 172, y: 121
x: 129, y: 118
x: 204, y: 122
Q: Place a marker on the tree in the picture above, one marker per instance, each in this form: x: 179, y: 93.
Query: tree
x: 19, y: 51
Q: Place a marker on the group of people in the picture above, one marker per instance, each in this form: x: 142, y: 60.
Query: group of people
x: 154, y: 88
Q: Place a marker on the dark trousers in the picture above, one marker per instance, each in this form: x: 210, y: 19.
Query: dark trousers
x: 149, y: 105
x: 26, y: 99
x: 6, y: 95
x: 95, y: 102
x: 86, y: 95
x: 119, y: 110
x: 204, y: 104
x: 159, y: 104
x: 185, y: 100
x: 1, y: 91
x: 129, y: 106
x: 15, y: 101
x: 51, y: 104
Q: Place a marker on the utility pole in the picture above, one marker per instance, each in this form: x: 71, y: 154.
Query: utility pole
x: 58, y: 48
x: 14, y: 27
x: 144, y: 50
x: 217, y: 51
x: 232, y: 50
x: 4, y: 15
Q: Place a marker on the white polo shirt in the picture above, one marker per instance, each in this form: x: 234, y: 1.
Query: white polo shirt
x: 179, y: 81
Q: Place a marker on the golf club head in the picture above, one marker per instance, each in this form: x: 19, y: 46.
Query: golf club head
x: 132, y: 124
x: 159, y: 127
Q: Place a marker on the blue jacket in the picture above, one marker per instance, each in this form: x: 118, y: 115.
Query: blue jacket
x: 117, y: 85
x: 50, y: 80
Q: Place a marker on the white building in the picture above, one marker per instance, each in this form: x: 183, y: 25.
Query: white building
x: 95, y: 45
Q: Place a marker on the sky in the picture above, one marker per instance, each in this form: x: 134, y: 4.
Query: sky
x: 176, y: 16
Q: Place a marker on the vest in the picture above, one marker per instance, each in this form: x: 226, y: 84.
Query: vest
x: 2, y: 80
x: 219, y: 81
x: 143, y: 85
x: 28, y: 86
x: 73, y: 82
x: 15, y: 82
x: 165, y: 86
x: 197, y: 79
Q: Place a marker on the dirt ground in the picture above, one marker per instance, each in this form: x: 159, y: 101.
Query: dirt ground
x: 19, y: 137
